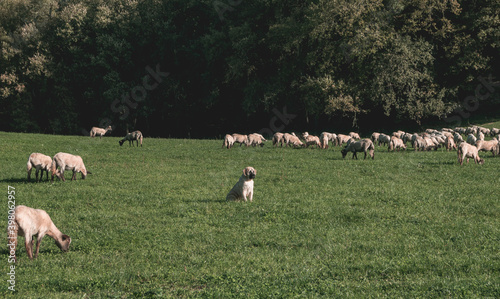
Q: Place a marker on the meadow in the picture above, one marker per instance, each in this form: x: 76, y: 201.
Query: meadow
x: 153, y: 221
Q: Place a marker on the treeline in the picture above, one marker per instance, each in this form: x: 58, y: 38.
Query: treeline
x: 201, y: 68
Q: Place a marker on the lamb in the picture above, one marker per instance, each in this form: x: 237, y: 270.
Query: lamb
x: 363, y: 145
x: 239, y: 138
x: 228, y: 141
x: 278, y: 138
x: 136, y: 135
x: 487, y: 146
x: 450, y: 143
x: 66, y: 161
x: 287, y: 137
x: 396, y: 143
x: 41, y: 162
x: 374, y: 137
x: 469, y: 151
x: 95, y: 131
x: 28, y: 222
x: 255, y: 139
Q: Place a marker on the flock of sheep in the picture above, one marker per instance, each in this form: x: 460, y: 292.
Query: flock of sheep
x: 29, y: 222
x: 431, y: 139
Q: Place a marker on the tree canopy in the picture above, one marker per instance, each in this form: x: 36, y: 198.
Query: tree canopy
x: 185, y: 68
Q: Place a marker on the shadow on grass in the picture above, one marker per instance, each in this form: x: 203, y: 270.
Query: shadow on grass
x: 16, y: 180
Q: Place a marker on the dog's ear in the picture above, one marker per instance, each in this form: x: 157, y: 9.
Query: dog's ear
x: 255, y: 171
x: 246, y: 171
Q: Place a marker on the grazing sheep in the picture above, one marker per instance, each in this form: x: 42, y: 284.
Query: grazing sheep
x: 312, y: 140
x: 457, y: 138
x: 278, y: 138
x: 471, y: 139
x: 255, y: 139
x: 374, y: 137
x: 494, y: 131
x: 136, y: 135
x: 396, y: 143
x: 41, y: 163
x: 28, y: 222
x: 295, y: 141
x: 384, y: 139
x: 239, y: 138
x: 66, y: 161
x: 363, y: 145
x: 95, y: 131
x: 480, y: 136
x: 419, y: 144
x: 354, y: 135
x: 325, y: 137
x: 341, y: 139
x: 450, y: 143
x: 287, y: 137
x: 469, y: 151
x: 228, y: 141
x: 487, y: 146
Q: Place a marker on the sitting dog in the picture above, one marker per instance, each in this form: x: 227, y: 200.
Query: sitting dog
x: 244, y: 187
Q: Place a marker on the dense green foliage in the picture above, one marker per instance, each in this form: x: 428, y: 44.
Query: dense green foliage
x: 66, y: 66
x: 153, y: 222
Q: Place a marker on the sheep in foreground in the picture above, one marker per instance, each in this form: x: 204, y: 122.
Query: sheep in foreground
x: 228, y: 141
x: 363, y: 145
x: 41, y: 163
x: 469, y: 151
x: 65, y: 161
x: 28, y: 222
x: 136, y: 135
x: 487, y: 146
x: 95, y: 131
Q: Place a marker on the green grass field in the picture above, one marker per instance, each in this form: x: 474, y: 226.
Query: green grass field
x: 154, y: 222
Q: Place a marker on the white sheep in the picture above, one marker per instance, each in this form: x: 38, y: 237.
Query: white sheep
x: 255, y: 139
x: 228, y: 141
x: 469, y: 151
x: 341, y: 139
x: 96, y: 131
x: 325, y: 137
x: 294, y: 141
x: 396, y: 143
x: 363, y: 145
x: 450, y: 143
x: 65, y: 161
x: 384, y: 139
x: 354, y: 135
x: 312, y: 140
x: 28, y: 222
x: 278, y: 138
x: 487, y: 146
x: 471, y: 139
x: 41, y: 163
x: 136, y: 135
x: 239, y: 138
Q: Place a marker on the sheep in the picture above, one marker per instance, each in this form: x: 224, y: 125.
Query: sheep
x: 325, y: 137
x: 136, y: 135
x: 28, y: 222
x: 419, y: 143
x: 494, y: 131
x: 396, y: 143
x: 312, y: 140
x: 295, y: 141
x: 255, y: 139
x: 450, y: 143
x: 354, y: 135
x: 480, y: 136
x: 383, y: 139
x: 363, y: 145
x: 341, y: 139
x: 66, y: 161
x: 487, y: 146
x: 457, y: 138
x: 287, y: 137
x: 471, y: 139
x: 228, y: 141
x: 95, y: 131
x: 431, y: 143
x: 278, y: 138
x: 239, y: 138
x: 374, y: 137
x: 41, y: 163
x: 469, y: 151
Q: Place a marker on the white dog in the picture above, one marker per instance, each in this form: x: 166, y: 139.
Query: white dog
x: 244, y: 187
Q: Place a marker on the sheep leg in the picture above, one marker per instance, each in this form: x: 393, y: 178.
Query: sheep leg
x: 28, y: 243
x: 36, y: 174
x: 38, y: 242
x: 29, y: 174
x: 73, y: 178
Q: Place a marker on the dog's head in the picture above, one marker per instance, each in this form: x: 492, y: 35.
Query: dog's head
x: 249, y: 172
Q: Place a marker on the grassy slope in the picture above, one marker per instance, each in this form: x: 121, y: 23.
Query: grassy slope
x: 153, y: 221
